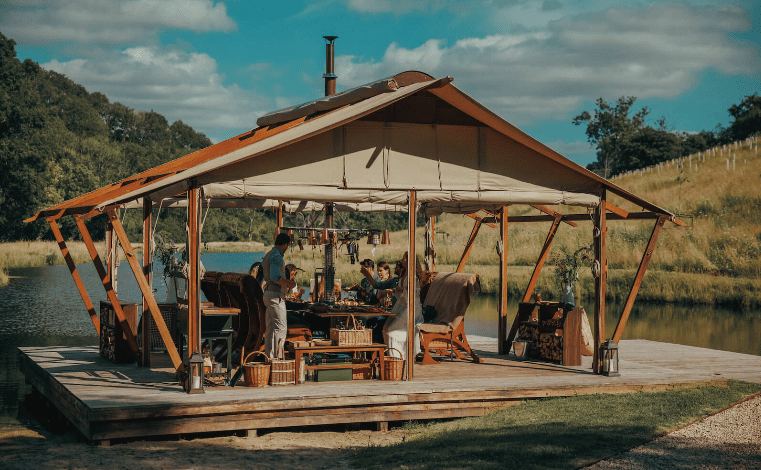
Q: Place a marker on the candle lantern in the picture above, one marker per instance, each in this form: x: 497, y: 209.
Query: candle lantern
x: 373, y: 238
x: 386, y: 238
x: 195, y: 377
x: 609, y: 357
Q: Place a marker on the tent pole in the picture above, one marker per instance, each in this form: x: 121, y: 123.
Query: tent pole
x: 600, y: 281
x: 430, y: 253
x: 279, y: 217
x: 646, y: 256
x: 411, y: 278
x: 469, y: 245
x: 503, y: 348
x: 194, y: 300
x: 75, y: 274
x: 147, y: 293
x: 145, y: 358
x: 535, y: 276
x: 106, y: 280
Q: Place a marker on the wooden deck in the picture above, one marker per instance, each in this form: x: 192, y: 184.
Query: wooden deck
x: 108, y: 401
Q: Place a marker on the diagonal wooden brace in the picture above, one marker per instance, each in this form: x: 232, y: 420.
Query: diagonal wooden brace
x: 137, y: 270
x: 469, y: 245
x: 537, y: 271
x: 646, y: 256
x: 106, y: 280
x: 74, y: 273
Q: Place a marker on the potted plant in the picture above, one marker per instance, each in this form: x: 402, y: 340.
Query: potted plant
x: 567, y: 265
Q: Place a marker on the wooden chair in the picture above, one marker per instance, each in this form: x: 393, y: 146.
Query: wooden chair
x: 449, y: 294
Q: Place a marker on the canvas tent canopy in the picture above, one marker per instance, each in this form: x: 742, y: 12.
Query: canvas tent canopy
x: 370, y: 146
x: 403, y: 141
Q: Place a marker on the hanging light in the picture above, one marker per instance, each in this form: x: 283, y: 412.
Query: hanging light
x: 609, y: 357
x: 386, y: 238
x: 195, y: 379
x: 290, y: 235
x: 313, y: 238
x: 373, y: 238
x: 324, y: 238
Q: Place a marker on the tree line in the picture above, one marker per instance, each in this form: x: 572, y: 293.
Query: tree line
x: 625, y: 142
x: 58, y: 141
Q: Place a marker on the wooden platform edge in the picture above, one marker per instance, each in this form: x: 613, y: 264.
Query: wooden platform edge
x: 56, y: 393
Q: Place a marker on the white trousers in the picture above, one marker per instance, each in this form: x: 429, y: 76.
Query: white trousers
x: 276, y: 321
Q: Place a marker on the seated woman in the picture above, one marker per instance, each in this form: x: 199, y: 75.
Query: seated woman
x: 395, y: 329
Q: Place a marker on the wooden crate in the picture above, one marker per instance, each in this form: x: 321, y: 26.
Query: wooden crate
x: 113, y: 343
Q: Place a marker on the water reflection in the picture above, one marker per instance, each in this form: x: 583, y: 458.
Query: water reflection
x: 42, y: 307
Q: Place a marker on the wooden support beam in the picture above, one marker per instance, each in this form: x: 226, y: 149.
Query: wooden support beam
x: 430, y: 236
x: 535, y: 275
x: 279, y: 217
x: 616, y: 210
x: 147, y: 292
x: 194, y: 260
x: 585, y: 217
x: 145, y: 357
x: 411, y: 284
x: 490, y: 221
x: 106, y: 280
x: 75, y: 274
x: 469, y: 245
x: 646, y: 256
x: 552, y: 213
x: 502, y: 322
x: 600, y: 281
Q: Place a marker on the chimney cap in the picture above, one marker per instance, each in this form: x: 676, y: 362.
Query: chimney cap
x: 330, y: 39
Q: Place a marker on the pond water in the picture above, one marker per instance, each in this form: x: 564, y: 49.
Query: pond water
x: 42, y: 307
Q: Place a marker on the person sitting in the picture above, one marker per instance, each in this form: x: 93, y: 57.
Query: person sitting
x: 256, y: 271
x: 395, y: 328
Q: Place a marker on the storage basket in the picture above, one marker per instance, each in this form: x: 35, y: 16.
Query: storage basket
x: 393, y: 367
x: 356, y: 336
x: 283, y: 370
x: 256, y: 374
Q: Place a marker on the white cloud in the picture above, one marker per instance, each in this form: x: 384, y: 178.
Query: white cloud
x: 109, y: 21
x: 655, y: 51
x: 177, y: 84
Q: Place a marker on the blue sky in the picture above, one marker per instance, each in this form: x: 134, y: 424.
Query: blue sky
x: 217, y: 66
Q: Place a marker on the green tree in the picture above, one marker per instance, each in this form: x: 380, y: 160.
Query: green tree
x: 747, y: 117
x: 610, y: 128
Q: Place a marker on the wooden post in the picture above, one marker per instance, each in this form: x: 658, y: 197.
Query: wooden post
x: 502, y: 322
x: 646, y: 256
x: 145, y: 357
x: 411, y: 278
x: 111, y: 257
x: 75, y: 274
x: 145, y: 289
x: 535, y: 276
x: 430, y: 235
x: 600, y: 282
x: 106, y: 280
x: 469, y: 245
x: 279, y: 217
x: 194, y: 298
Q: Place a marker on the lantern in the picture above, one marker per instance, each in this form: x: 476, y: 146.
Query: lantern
x: 386, y: 238
x: 373, y: 238
x: 195, y: 377
x: 609, y: 357
x: 324, y: 239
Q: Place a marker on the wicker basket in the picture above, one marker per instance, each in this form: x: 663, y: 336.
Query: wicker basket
x: 354, y: 336
x: 256, y: 374
x: 393, y: 367
x: 283, y: 370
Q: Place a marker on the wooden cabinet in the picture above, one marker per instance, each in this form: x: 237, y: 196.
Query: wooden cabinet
x: 113, y: 343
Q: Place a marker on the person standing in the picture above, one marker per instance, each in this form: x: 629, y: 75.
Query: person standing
x: 276, y: 287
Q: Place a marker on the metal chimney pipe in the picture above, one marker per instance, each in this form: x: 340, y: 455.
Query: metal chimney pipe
x: 329, y: 75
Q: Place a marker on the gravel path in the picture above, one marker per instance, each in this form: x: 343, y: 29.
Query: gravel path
x: 730, y: 439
